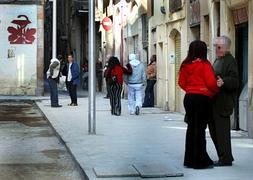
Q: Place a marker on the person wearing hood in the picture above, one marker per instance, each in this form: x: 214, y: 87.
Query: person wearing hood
x: 53, y: 78
x: 135, y: 83
x: 197, y: 79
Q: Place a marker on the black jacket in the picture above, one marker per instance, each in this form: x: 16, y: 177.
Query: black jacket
x: 225, y: 100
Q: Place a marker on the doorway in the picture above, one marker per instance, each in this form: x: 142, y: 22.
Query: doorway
x: 241, y: 55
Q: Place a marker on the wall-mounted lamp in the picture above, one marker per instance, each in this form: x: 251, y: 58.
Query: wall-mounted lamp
x: 163, y: 10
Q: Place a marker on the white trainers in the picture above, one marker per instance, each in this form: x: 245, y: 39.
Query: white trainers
x: 132, y: 113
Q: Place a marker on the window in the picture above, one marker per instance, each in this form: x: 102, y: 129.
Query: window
x: 194, y: 13
x: 175, y: 5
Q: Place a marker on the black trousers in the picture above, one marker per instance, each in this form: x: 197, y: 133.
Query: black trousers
x: 149, y: 99
x: 198, y: 109
x: 107, y: 88
x: 72, y: 88
x: 99, y: 82
x: 115, y: 98
x: 219, y: 127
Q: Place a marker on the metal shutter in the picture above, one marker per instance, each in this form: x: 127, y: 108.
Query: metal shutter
x: 177, y: 67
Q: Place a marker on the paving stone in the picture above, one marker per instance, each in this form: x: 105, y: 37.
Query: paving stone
x: 157, y: 170
x: 115, y: 171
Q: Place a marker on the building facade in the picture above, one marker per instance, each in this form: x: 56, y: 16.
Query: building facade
x: 166, y: 28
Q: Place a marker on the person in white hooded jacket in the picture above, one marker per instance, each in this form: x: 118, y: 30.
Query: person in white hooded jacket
x: 136, y: 83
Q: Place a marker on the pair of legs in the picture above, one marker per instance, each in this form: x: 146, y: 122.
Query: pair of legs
x: 72, y: 88
x: 198, y: 109
x: 107, y: 88
x: 149, y: 99
x: 85, y: 83
x: 53, y: 92
x: 135, y: 96
x: 219, y: 127
x: 99, y: 82
x: 115, y: 98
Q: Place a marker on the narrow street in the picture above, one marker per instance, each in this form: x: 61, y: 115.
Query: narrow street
x: 30, y: 149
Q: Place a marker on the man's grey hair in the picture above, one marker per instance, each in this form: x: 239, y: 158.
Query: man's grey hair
x: 226, y: 40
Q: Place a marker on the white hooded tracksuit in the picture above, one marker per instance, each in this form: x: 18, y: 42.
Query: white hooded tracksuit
x: 135, y: 83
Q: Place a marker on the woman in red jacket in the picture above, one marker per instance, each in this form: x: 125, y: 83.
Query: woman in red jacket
x: 197, y: 79
x: 115, y: 78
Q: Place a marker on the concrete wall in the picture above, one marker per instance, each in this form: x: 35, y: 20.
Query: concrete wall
x: 19, y: 70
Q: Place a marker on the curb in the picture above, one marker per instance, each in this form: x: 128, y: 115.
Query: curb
x: 77, y: 164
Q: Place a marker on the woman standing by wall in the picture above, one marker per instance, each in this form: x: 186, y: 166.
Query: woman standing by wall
x: 197, y: 79
x: 115, y: 77
x: 149, y: 99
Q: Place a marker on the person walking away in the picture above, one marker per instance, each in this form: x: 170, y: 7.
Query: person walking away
x: 115, y: 78
x: 226, y: 70
x: 53, y: 78
x: 99, y: 74
x: 197, y: 79
x: 135, y: 83
x: 72, y: 80
x: 149, y: 99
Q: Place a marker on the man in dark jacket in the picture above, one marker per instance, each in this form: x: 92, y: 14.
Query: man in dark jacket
x: 72, y: 79
x: 226, y: 70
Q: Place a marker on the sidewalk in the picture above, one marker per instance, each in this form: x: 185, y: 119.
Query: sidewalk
x: 156, y: 138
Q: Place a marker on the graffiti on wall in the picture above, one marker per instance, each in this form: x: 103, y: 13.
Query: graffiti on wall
x: 21, y: 33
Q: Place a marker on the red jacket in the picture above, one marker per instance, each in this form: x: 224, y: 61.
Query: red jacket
x: 117, y: 71
x: 198, y: 78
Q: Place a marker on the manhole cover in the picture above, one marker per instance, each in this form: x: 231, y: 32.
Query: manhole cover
x: 157, y: 171
x: 115, y: 171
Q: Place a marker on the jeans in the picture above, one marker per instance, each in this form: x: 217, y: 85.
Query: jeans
x: 53, y: 92
x: 72, y: 91
x: 135, y: 96
x: 149, y: 99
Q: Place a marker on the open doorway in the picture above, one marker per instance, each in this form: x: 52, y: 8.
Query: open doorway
x: 241, y: 55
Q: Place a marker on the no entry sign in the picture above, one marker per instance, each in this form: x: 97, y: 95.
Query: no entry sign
x: 107, y: 23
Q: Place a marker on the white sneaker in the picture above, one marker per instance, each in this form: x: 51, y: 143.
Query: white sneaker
x: 132, y: 113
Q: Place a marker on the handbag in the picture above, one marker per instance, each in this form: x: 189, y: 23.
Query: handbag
x: 113, y: 80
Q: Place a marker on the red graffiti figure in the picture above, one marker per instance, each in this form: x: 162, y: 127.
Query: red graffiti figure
x: 22, y: 34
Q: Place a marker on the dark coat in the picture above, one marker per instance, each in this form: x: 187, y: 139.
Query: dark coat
x: 226, y: 99
x: 74, y: 71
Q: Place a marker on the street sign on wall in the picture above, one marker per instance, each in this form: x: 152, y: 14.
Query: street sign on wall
x: 18, y: 46
x: 107, y: 24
